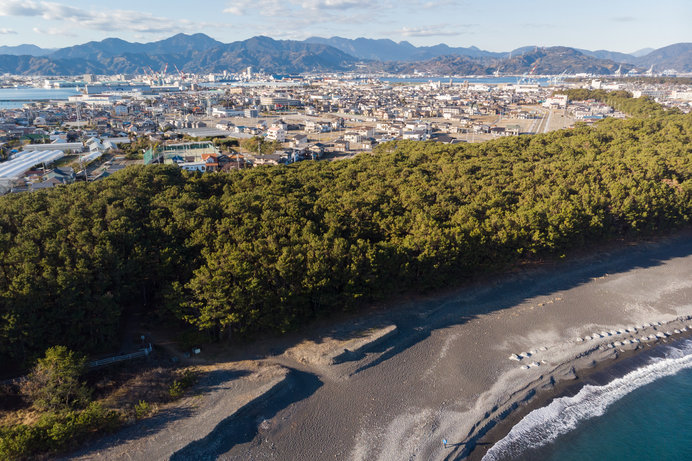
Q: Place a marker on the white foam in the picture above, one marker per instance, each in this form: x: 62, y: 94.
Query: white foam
x: 544, y: 425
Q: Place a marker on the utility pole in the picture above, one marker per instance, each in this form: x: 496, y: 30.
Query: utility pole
x: 81, y: 161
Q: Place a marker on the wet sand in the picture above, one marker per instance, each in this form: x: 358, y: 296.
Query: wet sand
x: 600, y: 375
x: 457, y: 365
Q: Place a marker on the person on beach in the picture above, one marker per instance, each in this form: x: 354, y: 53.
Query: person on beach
x: 444, y: 442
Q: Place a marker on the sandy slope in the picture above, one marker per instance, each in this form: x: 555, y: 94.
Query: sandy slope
x: 450, y: 368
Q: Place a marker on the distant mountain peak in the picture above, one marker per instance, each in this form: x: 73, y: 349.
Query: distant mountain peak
x: 385, y: 49
x: 201, y: 53
x: 642, y: 52
x: 25, y: 50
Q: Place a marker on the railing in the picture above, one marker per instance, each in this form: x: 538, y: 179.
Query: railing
x: 121, y: 358
x: 97, y: 363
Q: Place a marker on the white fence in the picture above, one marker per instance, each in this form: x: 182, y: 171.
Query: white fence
x: 121, y: 358
x: 98, y: 363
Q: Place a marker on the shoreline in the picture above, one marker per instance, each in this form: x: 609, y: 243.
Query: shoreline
x: 392, y: 381
x: 568, y: 376
x: 602, y: 373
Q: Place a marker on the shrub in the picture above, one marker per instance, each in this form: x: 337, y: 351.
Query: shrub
x: 186, y: 380
x: 142, y: 409
x: 55, y: 432
x: 21, y: 442
x: 54, y: 384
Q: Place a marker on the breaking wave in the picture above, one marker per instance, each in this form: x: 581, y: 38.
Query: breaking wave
x: 544, y: 425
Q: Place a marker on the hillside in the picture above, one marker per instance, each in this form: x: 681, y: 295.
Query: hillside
x: 558, y: 59
x: 274, y: 56
x: 554, y: 60
x: 678, y: 57
x: 199, y: 53
x: 111, y: 47
x: 189, y: 53
x: 388, y: 50
x: 24, y: 50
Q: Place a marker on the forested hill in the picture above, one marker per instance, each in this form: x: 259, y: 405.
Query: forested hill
x: 266, y: 249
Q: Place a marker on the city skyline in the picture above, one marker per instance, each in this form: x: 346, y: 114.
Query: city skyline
x: 616, y: 26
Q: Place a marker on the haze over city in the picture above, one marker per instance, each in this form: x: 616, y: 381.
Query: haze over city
x: 503, y: 25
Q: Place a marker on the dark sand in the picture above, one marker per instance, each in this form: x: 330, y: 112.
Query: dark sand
x: 446, y: 372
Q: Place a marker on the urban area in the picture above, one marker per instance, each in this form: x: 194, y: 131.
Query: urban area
x: 221, y: 122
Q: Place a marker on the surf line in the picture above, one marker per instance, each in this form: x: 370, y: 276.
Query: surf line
x: 563, y: 414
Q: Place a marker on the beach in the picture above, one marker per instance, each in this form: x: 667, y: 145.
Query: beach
x: 392, y: 383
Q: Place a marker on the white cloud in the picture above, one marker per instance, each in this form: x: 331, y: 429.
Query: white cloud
x: 319, y: 11
x: 8, y: 32
x: 425, y: 32
x: 299, y: 19
x: 442, y: 4
x: 19, y: 8
x: 55, y: 31
x: 335, y: 4
x: 237, y: 10
x: 436, y: 30
x: 102, y: 20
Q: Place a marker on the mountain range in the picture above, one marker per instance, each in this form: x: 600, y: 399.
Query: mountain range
x: 200, y: 53
x: 389, y: 50
x: 545, y: 61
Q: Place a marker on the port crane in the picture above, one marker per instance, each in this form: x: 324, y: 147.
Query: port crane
x: 180, y: 72
x: 557, y: 79
x: 528, y: 77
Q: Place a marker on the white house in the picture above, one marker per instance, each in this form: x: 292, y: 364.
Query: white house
x: 299, y: 141
x: 415, y: 135
x: 276, y: 134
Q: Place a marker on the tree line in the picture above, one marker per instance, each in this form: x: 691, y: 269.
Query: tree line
x: 266, y: 249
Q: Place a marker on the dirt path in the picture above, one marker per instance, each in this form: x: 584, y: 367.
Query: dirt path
x: 222, y: 392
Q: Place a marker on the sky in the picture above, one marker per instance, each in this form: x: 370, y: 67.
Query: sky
x: 501, y: 25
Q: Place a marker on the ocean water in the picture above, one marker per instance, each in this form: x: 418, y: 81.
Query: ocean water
x: 646, y: 415
x: 14, y: 98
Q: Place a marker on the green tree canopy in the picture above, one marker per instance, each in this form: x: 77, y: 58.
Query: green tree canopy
x: 267, y: 249
x: 53, y: 383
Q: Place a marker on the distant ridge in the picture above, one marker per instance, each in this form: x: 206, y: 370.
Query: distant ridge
x: 642, y: 52
x: 190, y: 53
x: 177, y: 44
x: 200, y: 53
x: 677, y: 57
x: 388, y: 50
x: 25, y: 50
x: 552, y: 60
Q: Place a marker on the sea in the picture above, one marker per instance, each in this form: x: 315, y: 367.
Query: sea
x: 643, y: 415
x: 14, y: 98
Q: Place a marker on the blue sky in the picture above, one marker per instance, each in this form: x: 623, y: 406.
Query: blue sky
x: 502, y: 25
